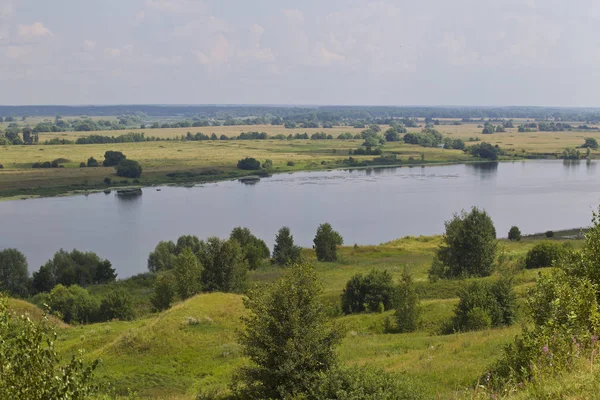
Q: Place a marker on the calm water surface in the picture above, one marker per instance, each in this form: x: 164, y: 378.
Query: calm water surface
x: 365, y: 206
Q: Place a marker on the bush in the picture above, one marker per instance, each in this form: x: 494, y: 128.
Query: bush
x: 326, y: 242
x: 107, y: 181
x: 469, y: 247
x: 129, y: 169
x: 249, y: 163
x: 164, y: 292
x: 73, y: 304
x: 544, y: 254
x: 549, y: 234
x: 485, y: 150
x: 14, y: 275
x: 366, y: 292
x: 406, y: 302
x: 268, y: 164
x: 290, y: 164
x: 116, y: 304
x: 82, y: 165
x: 188, y: 274
x: 514, y: 234
x: 484, y: 304
x: 92, y: 162
x: 255, y: 250
x: 225, y: 269
x: 590, y: 143
x: 285, y: 251
x: 113, y: 158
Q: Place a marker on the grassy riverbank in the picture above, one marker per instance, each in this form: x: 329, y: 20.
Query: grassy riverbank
x: 178, y: 161
x: 192, y: 347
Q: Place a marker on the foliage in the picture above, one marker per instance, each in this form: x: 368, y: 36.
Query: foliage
x: 76, y: 267
x: 287, y: 336
x: 366, y: 292
x: 514, y: 234
x: 285, y: 251
x: 225, y: 269
x: 116, y: 304
x: 188, y: 274
x: 326, y: 241
x: 456, y: 144
x: 14, y: 275
x: 469, y: 247
x: 31, y: 369
x: 427, y: 138
x: 485, y: 150
x: 92, y: 162
x: 571, y: 154
x: 255, y: 250
x: 590, y: 143
x: 484, y: 304
x: 113, y: 158
x: 73, y: 304
x: 249, y: 163
x: 544, y: 254
x: 163, y: 257
x: 129, y: 169
x: 407, y: 304
x: 163, y: 292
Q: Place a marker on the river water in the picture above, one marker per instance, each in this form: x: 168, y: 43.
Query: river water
x: 365, y: 206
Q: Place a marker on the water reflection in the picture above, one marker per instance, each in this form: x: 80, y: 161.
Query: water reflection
x: 485, y: 170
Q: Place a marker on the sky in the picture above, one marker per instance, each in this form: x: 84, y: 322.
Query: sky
x: 344, y: 52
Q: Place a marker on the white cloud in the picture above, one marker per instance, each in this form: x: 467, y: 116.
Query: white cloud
x: 6, y: 10
x: 16, y: 52
x: 167, y: 5
x: 35, y: 30
x: 140, y: 16
x: 329, y: 57
x: 294, y: 15
x: 111, y: 52
x: 89, y: 45
x: 219, y: 52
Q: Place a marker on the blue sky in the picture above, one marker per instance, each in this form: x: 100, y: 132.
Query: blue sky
x: 431, y: 52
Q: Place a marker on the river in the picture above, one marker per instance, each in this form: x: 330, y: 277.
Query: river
x: 366, y: 206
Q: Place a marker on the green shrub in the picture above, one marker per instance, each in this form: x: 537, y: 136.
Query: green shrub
x: 326, y: 242
x: 268, y: 164
x: 14, y: 274
x: 112, y: 158
x: 407, y: 304
x: 92, y: 162
x: 73, y: 304
x: 107, y: 181
x: 366, y: 292
x: 164, y: 292
x: 249, y: 163
x: 255, y: 250
x: 549, y: 234
x: 116, y: 304
x: 290, y: 164
x: 129, y: 169
x: 514, y: 234
x: 285, y: 251
x: 544, y: 254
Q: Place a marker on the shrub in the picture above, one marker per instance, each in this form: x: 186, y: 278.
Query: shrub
x: 549, y: 234
x: 129, y: 169
x: 164, y: 292
x: 92, y: 162
x: 326, y: 241
x: 268, y: 164
x: 469, y: 247
x: 543, y: 254
x: 113, y: 158
x: 485, y: 150
x: 406, y: 302
x: 249, y: 163
x: 514, y: 234
x: 107, y: 181
x: 255, y: 250
x: 285, y: 251
x: 188, y: 274
x: 73, y: 304
x: 116, y: 304
x: 290, y: 164
x: 590, y: 143
x: 82, y: 165
x: 366, y: 292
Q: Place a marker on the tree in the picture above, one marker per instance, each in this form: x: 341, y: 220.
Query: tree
x: 514, y: 234
x: 116, y: 304
x: 31, y: 368
x: 105, y: 273
x: 225, y: 269
x: 163, y: 257
x: 367, y: 292
x: 285, y: 251
x: 287, y: 336
x: 485, y: 150
x: 164, y: 292
x: 188, y: 242
x: 73, y: 304
x: 248, y: 163
x: 392, y: 135
x: 188, y: 274
x: 255, y: 250
x: 14, y: 275
x: 113, y: 158
x: 590, y: 143
x: 326, y: 241
x: 27, y: 135
x: 544, y: 254
x: 407, y: 304
x: 129, y: 169
x: 469, y: 247
x: 92, y: 162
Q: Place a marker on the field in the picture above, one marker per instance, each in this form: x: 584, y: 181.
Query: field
x: 192, y: 347
x: 212, y: 160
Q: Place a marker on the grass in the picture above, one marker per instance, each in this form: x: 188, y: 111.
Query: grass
x: 207, y: 160
x: 192, y: 347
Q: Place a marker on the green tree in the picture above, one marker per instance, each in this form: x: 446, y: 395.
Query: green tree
x: 188, y: 273
x: 188, y: 242
x: 73, y: 304
x: 164, y: 292
x: 287, y: 337
x: 116, y: 304
x: 163, y: 257
x: 469, y: 247
x: 129, y: 169
x: 92, y: 162
x: 225, y: 269
x: 407, y: 304
x: 255, y: 250
x: 590, y: 143
x: 544, y: 254
x: 31, y: 368
x: 248, y: 163
x: 367, y: 292
x: 285, y: 251
x: 14, y: 275
x: 326, y: 242
x: 113, y: 158
x: 105, y: 273
x: 514, y: 234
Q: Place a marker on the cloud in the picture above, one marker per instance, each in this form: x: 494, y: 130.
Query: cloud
x: 219, y: 53
x: 139, y: 16
x: 33, y: 31
x: 6, y: 10
x: 172, y: 6
x: 16, y: 52
x: 329, y: 57
x: 111, y: 52
x: 89, y: 45
x: 294, y: 15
